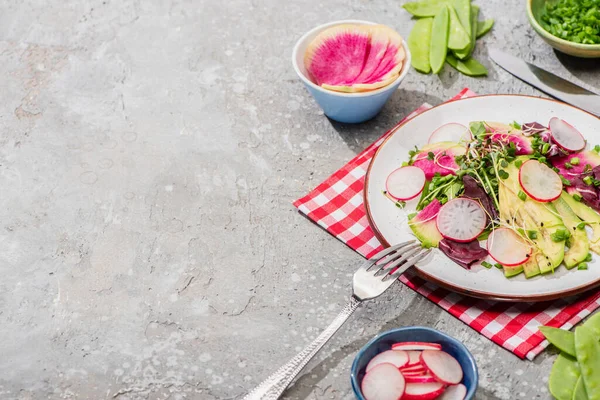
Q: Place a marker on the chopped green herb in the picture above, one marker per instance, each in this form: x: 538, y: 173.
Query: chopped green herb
x: 597, y: 148
x: 522, y: 195
x: 573, y: 20
x: 582, y: 266
x: 587, y: 168
x: 588, y: 180
x: 581, y: 225
x: 565, y: 181
x: 545, y: 148
x: 430, y: 155
x: 400, y: 204
x: 575, y: 161
x: 589, y: 257
x: 560, y: 235
x: 532, y: 235
x: 499, y: 266
x: 577, y: 197
x: 486, y: 264
x: 568, y: 165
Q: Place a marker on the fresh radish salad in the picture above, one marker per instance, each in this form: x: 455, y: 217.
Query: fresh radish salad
x: 413, y: 371
x: 523, y: 198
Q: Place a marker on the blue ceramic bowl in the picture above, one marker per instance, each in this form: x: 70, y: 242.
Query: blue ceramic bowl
x: 384, y: 341
x: 348, y: 108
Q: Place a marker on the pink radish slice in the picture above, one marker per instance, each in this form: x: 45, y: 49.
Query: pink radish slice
x: 452, y: 132
x: 539, y: 181
x: 423, y: 391
x: 443, y: 366
x: 416, y: 346
x: 507, y: 248
x: 565, y: 136
x: 384, y: 382
x: 397, y: 358
x: 414, y: 371
x: 419, y: 378
x: 414, y: 358
x: 454, y: 392
x: 405, y: 183
x: 461, y: 220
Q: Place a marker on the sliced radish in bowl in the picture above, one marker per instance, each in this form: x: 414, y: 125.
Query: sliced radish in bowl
x: 452, y: 132
x: 507, y: 248
x: 423, y: 391
x: 461, y: 220
x: 454, y: 392
x: 539, y: 181
x: 405, y: 183
x: 416, y: 346
x: 419, y: 378
x: 565, y: 135
x: 414, y: 358
x: 384, y: 382
x: 442, y: 366
x: 398, y: 358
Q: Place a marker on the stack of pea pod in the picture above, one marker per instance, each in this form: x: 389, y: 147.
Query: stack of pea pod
x: 575, y: 374
x: 446, y: 31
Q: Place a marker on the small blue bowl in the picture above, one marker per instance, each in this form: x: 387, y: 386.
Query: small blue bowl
x: 384, y: 341
x: 350, y: 108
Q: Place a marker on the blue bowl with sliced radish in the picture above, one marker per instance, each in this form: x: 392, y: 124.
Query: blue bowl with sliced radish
x: 414, y: 363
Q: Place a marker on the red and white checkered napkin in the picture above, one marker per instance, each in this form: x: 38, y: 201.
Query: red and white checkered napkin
x: 337, y: 206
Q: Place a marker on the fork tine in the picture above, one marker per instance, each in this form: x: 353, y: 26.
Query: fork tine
x: 383, y: 253
x: 408, y: 264
x: 390, y: 263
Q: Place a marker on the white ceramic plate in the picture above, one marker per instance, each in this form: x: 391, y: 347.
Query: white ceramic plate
x: 390, y: 223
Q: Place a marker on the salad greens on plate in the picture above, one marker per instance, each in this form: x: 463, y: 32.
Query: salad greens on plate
x: 527, y: 196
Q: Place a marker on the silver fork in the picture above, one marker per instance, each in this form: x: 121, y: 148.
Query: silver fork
x: 371, y: 280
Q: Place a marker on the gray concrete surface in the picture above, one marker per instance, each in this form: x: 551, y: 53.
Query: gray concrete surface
x: 149, y: 155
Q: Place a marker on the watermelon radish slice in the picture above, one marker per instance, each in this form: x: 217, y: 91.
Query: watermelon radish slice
x: 419, y: 378
x: 384, y: 382
x: 461, y: 220
x: 539, y: 181
x: 405, y: 183
x: 565, y: 135
x: 454, y: 392
x: 414, y: 358
x: 443, y: 161
x: 442, y: 366
x: 423, y: 391
x: 398, y: 358
x: 416, y: 346
x: 452, y: 132
x: 380, y: 39
x: 507, y: 248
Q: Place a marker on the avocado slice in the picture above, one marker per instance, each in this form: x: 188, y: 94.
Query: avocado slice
x: 589, y: 216
x: 509, y: 272
x: 530, y: 268
x: 424, y: 225
x: 578, y: 243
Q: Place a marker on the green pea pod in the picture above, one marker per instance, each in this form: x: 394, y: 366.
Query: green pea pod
x: 419, y: 42
x: 439, y: 40
x: 463, y: 11
x: 562, y: 339
x: 579, y: 393
x: 470, y: 67
x: 463, y: 55
x: 593, y: 323
x: 484, y: 27
x: 424, y: 8
x: 587, y: 348
x: 458, y: 38
x: 563, y: 377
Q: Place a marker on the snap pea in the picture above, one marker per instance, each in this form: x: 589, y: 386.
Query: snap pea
x: 424, y: 8
x: 593, y: 323
x: 563, y: 377
x: 419, y: 42
x: 587, y: 348
x: 484, y: 27
x: 458, y: 38
x: 462, y: 55
x: 470, y: 67
x: 562, y: 339
x: 579, y: 393
x: 439, y: 40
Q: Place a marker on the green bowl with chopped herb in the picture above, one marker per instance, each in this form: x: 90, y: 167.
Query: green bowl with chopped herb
x: 570, y: 26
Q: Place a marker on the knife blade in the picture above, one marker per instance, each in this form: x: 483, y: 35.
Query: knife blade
x: 547, y: 82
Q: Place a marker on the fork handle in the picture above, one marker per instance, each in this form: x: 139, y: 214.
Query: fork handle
x: 272, y: 387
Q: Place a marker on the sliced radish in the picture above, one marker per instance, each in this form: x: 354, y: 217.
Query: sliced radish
x: 414, y: 373
x: 565, y: 136
x: 419, y: 378
x: 416, y: 346
x: 539, y: 181
x: 423, y: 391
x: 443, y: 366
x: 454, y: 392
x: 405, y: 183
x: 418, y: 369
x: 507, y: 248
x: 397, y: 358
x: 414, y: 357
x: 461, y: 220
x: 452, y: 132
x: 384, y: 382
